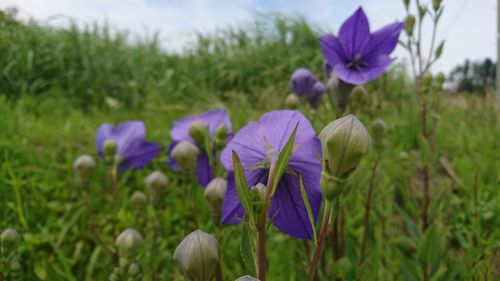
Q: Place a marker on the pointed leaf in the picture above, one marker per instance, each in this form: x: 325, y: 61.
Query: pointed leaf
x: 284, y: 159
x: 439, y: 50
x: 241, y: 186
x: 247, y: 247
x: 307, y: 203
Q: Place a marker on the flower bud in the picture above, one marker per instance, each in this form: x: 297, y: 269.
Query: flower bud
x: 138, y: 200
x: 409, y: 24
x: 156, y: 183
x: 436, y: 4
x: 214, y: 194
x: 406, y: 3
x: 247, y: 278
x: 9, y: 238
x: 198, y: 131
x: 316, y: 94
x: 198, y: 255
x: 258, y: 192
x: 185, y: 154
x: 110, y: 147
x: 440, y: 79
x: 134, y: 270
x: 292, y: 101
x: 426, y: 82
x: 302, y: 81
x: 345, y: 142
x: 83, y: 167
x: 221, y: 132
x: 379, y: 128
x: 128, y: 243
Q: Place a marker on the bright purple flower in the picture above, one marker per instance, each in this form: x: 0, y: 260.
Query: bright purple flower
x: 302, y: 81
x: 356, y: 55
x: 180, y: 131
x: 129, y: 136
x: 314, y: 96
x: 255, y: 144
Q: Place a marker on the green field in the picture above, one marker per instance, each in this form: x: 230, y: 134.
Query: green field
x: 57, y: 86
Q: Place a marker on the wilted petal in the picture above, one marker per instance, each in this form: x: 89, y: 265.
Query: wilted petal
x: 140, y: 155
x: 383, y: 41
x: 203, y: 170
x: 373, y: 69
x: 355, y: 33
x: 232, y: 210
x: 332, y: 49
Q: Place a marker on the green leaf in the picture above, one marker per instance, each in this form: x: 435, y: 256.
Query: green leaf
x: 425, y: 149
x: 247, y: 247
x: 411, y: 227
x: 241, y: 186
x: 429, y: 249
x: 439, y: 50
x: 284, y: 159
x: 307, y: 203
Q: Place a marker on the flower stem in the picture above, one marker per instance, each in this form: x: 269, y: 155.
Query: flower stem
x: 368, y: 205
x: 154, y: 244
x: 218, y: 268
x: 321, y: 239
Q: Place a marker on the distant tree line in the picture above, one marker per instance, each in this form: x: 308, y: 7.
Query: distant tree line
x: 474, y: 77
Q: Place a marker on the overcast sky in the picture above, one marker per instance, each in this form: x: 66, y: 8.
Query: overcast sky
x: 467, y: 25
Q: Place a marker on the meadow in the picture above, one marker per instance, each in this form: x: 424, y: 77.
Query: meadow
x: 58, y: 85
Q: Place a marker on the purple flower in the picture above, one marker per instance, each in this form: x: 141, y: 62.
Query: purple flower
x: 302, y: 81
x: 314, y: 96
x: 133, y: 150
x: 255, y: 144
x: 356, y: 55
x: 180, y: 131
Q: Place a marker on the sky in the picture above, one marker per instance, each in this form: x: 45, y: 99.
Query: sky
x: 468, y: 26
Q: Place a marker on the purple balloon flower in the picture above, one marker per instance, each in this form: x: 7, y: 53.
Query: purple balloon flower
x: 255, y: 143
x: 316, y: 93
x: 356, y: 55
x: 302, y: 81
x: 180, y: 131
x: 129, y: 136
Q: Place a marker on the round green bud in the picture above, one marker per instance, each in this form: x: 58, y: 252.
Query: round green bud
x: 184, y: 155
x: 247, y: 278
x: 426, y: 81
x: 128, y: 243
x: 10, y: 238
x: 156, y: 183
x: 409, y: 24
x: 379, y: 128
x: 221, y: 132
x: 138, y: 200
x: 198, y: 255
x: 198, y: 131
x: 440, y: 78
x: 292, y: 101
x: 110, y: 147
x: 83, y: 167
x: 214, y: 194
x: 258, y: 192
x: 345, y: 142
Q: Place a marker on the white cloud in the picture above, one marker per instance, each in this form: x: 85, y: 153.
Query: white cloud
x: 467, y: 25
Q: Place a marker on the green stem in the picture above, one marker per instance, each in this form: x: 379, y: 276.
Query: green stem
x: 321, y: 239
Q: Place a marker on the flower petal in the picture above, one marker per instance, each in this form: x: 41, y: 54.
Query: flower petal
x: 332, y: 49
x: 203, y: 170
x: 232, y: 210
x: 288, y: 212
x: 213, y: 118
x: 103, y: 133
x: 248, y: 144
x: 355, y: 33
x: 128, y: 135
x: 383, y: 41
x: 375, y: 67
x: 140, y: 155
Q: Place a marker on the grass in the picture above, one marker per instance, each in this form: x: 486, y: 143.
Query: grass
x: 59, y: 85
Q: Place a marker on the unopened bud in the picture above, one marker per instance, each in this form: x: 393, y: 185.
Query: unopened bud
x: 214, y: 194
x: 379, y: 128
x: 426, y: 82
x: 258, y: 192
x: 185, y: 154
x: 110, y: 147
x: 198, y: 131
x: 156, y: 184
x: 292, y: 101
x: 436, y: 4
x: 302, y: 81
x: 221, y: 132
x: 247, y: 278
x: 331, y: 186
x: 440, y: 78
x: 409, y: 24
x: 128, y: 243
x: 10, y: 238
x: 316, y: 94
x: 345, y: 142
x: 83, y: 167
x: 138, y: 200
x: 198, y: 255
x: 406, y: 3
